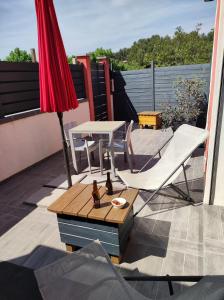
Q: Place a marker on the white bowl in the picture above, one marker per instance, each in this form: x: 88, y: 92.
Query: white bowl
x: 122, y: 202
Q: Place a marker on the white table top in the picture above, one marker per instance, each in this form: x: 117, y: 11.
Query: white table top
x: 98, y: 127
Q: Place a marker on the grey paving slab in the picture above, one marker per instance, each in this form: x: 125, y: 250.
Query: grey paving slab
x: 222, y: 220
x: 180, y: 223
x: 193, y: 264
x: 213, y: 263
x: 196, y: 224
x: 184, y: 246
x: 212, y: 222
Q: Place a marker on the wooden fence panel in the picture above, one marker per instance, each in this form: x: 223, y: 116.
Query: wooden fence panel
x: 135, y: 90
x: 19, y: 86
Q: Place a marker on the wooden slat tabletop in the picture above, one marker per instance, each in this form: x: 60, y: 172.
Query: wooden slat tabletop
x: 118, y: 215
x: 105, y: 207
x: 77, y: 201
x: 77, y: 204
x: 59, y: 205
x: 84, y: 212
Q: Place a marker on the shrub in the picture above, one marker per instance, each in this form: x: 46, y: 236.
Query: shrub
x: 191, y: 101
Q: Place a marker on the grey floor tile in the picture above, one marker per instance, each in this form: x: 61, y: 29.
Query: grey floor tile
x: 193, y: 265
x: 213, y: 263
x: 222, y: 220
x: 187, y: 247
x: 179, y: 226
x: 196, y: 224
x: 173, y: 263
x: 212, y: 222
x: 215, y: 246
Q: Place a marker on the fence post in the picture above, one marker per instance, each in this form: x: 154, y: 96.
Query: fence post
x: 85, y: 60
x: 153, y: 85
x: 33, y: 55
x: 106, y: 63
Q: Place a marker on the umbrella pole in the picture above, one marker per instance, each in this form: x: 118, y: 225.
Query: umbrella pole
x: 65, y: 149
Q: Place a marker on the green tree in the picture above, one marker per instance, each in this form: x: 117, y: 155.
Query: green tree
x: 181, y: 48
x: 101, y: 52
x: 69, y: 59
x: 18, y: 55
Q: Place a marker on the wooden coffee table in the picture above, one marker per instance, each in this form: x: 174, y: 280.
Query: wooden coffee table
x: 79, y: 223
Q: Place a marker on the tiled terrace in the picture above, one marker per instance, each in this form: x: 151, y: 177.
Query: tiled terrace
x: 169, y: 236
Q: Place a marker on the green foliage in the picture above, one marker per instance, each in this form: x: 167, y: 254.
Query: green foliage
x: 18, y: 55
x: 181, y: 49
x: 99, y: 52
x: 190, y: 103
x: 69, y: 59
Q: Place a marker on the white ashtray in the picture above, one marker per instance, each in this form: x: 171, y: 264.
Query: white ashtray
x: 118, y: 202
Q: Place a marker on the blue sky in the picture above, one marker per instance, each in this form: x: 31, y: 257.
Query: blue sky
x: 88, y: 24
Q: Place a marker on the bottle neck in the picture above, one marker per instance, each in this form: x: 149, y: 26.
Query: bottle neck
x: 95, y: 186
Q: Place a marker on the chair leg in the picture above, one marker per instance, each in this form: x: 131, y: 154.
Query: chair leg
x: 80, y: 157
x: 108, y: 156
x: 132, y: 153
x: 131, y: 148
x: 92, y: 155
x: 101, y: 159
x: 112, y: 161
x: 88, y: 158
x: 128, y: 158
x: 74, y: 159
x: 185, y: 178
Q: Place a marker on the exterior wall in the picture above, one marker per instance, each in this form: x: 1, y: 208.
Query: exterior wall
x: 26, y: 141
x: 216, y: 73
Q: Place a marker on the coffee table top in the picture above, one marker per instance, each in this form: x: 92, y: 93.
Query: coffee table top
x: 77, y: 201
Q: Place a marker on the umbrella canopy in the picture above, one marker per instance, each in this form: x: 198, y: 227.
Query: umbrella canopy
x: 57, y: 93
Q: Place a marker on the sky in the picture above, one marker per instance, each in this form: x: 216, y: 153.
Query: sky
x: 89, y: 24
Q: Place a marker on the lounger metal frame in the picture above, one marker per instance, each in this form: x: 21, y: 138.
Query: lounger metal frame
x: 167, y: 278
x: 185, y: 196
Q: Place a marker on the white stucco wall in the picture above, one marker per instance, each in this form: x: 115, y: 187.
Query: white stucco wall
x: 26, y: 141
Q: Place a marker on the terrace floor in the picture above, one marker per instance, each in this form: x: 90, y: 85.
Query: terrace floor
x: 169, y: 236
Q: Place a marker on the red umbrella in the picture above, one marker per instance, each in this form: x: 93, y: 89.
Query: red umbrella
x: 57, y: 93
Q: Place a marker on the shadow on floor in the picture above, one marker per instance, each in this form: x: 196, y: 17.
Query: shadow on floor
x: 19, y: 282
x: 168, y: 199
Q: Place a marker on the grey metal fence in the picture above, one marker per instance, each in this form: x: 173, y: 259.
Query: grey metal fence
x: 153, y: 88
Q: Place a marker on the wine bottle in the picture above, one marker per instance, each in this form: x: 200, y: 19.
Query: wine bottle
x: 109, y: 187
x: 95, y: 195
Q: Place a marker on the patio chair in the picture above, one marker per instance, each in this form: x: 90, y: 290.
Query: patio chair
x: 80, y: 144
x: 173, y: 161
x: 89, y: 274
x: 117, y: 145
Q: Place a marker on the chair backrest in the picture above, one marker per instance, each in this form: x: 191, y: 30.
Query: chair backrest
x: 128, y: 133
x: 185, y: 140
x: 67, y: 127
